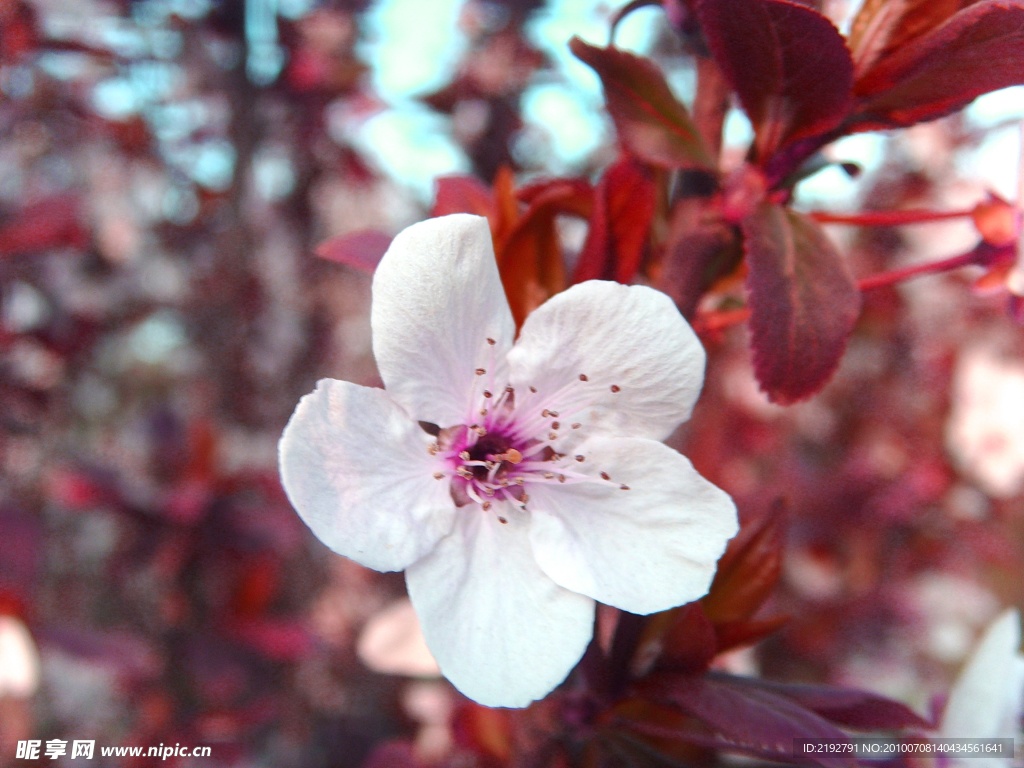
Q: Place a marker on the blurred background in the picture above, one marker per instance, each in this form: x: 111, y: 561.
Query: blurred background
x: 167, y: 168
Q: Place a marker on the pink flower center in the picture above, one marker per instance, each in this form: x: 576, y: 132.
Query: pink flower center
x: 510, y: 445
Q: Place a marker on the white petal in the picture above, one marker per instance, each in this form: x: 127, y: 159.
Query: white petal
x: 985, y: 701
x: 502, y: 632
x: 645, y: 549
x: 357, y: 470
x: 437, y: 298
x: 632, y: 337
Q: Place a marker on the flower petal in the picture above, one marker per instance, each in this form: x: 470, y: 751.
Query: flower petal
x: 437, y: 298
x: 631, y: 338
x: 502, y: 632
x: 645, y: 549
x: 357, y: 470
x: 985, y: 702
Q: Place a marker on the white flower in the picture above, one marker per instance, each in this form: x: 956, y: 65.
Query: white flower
x: 987, y: 700
x: 515, y: 484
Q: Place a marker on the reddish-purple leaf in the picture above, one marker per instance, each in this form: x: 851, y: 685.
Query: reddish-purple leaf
x: 788, y: 64
x: 748, y: 570
x: 688, y: 644
x: 738, y: 718
x: 846, y: 707
x: 360, y: 250
x: 803, y: 302
x: 739, y: 634
x: 978, y: 50
x: 622, y: 213
x: 706, y: 250
x: 650, y: 121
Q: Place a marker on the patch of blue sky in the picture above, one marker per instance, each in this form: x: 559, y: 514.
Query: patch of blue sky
x: 412, y: 145
x: 834, y: 189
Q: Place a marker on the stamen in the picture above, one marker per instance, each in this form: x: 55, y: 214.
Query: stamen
x: 486, y: 505
x: 549, y: 475
x: 483, y: 411
x: 481, y: 371
x: 487, y: 393
x: 433, y: 448
x: 605, y: 476
x: 438, y: 475
x: 512, y: 456
x: 464, y: 455
x: 580, y: 457
x: 533, y: 390
x: 561, y: 478
x: 479, y: 430
x: 615, y: 388
x: 624, y: 487
x: 552, y: 435
x: 502, y: 520
x: 555, y: 425
x: 491, y: 341
x: 583, y: 377
x: 577, y: 425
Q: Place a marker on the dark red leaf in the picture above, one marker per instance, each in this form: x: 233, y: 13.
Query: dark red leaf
x: 738, y: 718
x: 688, y: 644
x: 650, y: 121
x: 623, y: 209
x: 788, y: 64
x: 748, y: 570
x: 575, y: 196
x: 846, y: 707
x: 803, y: 302
x: 739, y: 634
x: 360, y: 250
x: 978, y: 50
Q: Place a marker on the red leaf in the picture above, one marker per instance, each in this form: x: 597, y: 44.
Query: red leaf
x: 739, y: 718
x: 650, y: 121
x: 788, y: 64
x: 530, y: 259
x: 360, y: 250
x: 463, y: 194
x: 748, y: 570
x: 689, y: 644
x: 739, y: 634
x: 978, y: 50
x: 846, y: 707
x: 882, y: 27
x: 803, y: 302
x: 622, y: 213
x: 52, y: 222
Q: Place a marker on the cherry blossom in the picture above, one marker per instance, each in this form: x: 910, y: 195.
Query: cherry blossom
x: 515, y: 483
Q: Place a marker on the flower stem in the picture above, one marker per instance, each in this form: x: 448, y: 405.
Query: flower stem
x: 888, y: 218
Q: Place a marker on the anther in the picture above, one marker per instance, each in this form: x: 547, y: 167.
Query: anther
x: 480, y: 371
x: 580, y: 457
x: 503, y: 521
x: 480, y: 431
x: 583, y: 377
x: 577, y: 425
x: 492, y: 342
x: 552, y: 435
x: 512, y: 456
x: 553, y: 414
x: 488, y: 491
x: 561, y: 478
x: 624, y: 487
x: 487, y: 393
x: 432, y: 448
x: 615, y: 388
x: 486, y: 505
x: 555, y: 425
x: 464, y: 455
x: 483, y: 411
x: 509, y: 391
x: 518, y: 481
x: 438, y: 475
x: 526, y: 498
x: 545, y: 413
x: 549, y: 475
x: 605, y: 476
x: 533, y: 390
